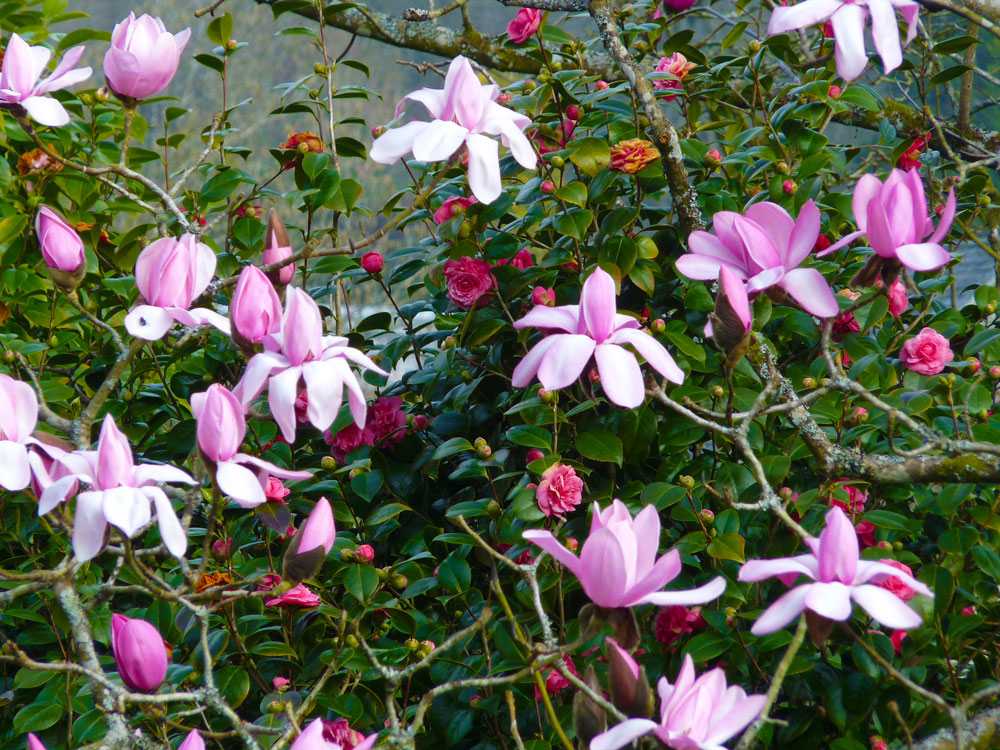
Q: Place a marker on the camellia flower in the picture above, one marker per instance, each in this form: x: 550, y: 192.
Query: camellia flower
x: 618, y: 567
x: 469, y: 281
x: 143, y: 57
x: 452, y: 207
x: 18, y: 417
x: 339, y: 731
x: 275, y: 491
x: 592, y: 329
x: 19, y: 84
x: 764, y: 248
x: 897, y: 585
x: 120, y: 494
x: 297, y: 596
x: 542, y: 296
x: 848, y: 18
x: 910, y: 158
x: 300, y: 352
x: 255, y: 311
x: 171, y: 274
x: 676, y: 65
x: 312, y: 739
x: 554, y: 681
x: 140, y: 653
x: 893, y: 216
x: 193, y: 741
x: 560, y: 490
x: 674, y: 6
x: 388, y: 420
x: 464, y: 112
x: 524, y: 25
x: 856, y: 498
x: 927, y: 352
x: 522, y: 259
x: 674, y: 621
x: 221, y: 429
x: 697, y: 713
x: 839, y: 576
x: 62, y: 248
x: 632, y: 155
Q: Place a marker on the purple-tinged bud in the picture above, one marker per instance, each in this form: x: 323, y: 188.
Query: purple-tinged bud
x: 310, y: 547
x: 256, y: 309
x: 140, y: 653
x: 62, y: 248
x: 278, y: 248
x: 193, y: 741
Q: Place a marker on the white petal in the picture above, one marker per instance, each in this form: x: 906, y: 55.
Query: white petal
x: 240, y: 484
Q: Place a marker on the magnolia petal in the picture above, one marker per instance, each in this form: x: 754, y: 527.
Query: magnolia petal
x: 623, y: 734
x: 652, y: 351
x: 148, y: 473
x: 808, y: 287
x: 438, y: 141
x: 838, y: 553
x: 759, y: 570
x: 710, y: 246
x: 726, y: 723
x: 56, y: 493
x: 326, y: 391
x: 15, y: 471
x: 646, y: 527
x: 355, y: 394
x: 598, y: 304
x: 550, y: 544
x: 602, y: 569
x: 127, y: 508
x: 923, y: 256
x: 801, y: 15
x: 869, y: 188
x: 885, y: 34
x: 947, y: 217
x: 565, y: 359
x: 282, y: 390
x: 395, y: 143
x: 199, y: 316
x: 663, y: 571
x: 432, y: 99
x: 871, y: 571
x: 701, y: 595
x: 885, y: 607
x: 786, y: 608
x: 701, y: 268
x: 260, y: 463
x: 170, y: 527
x: 46, y: 111
x: 803, y: 237
x: 831, y: 600
x: 766, y: 278
x: 259, y: 369
x: 621, y: 377
x: 240, y: 484
x: 776, y: 223
x: 527, y: 368
x: 148, y: 322
x: 849, y: 40
x: 842, y: 242
x: 565, y: 318
x: 484, y: 168
x: 89, y: 525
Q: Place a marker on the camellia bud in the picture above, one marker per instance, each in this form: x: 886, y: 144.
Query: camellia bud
x: 714, y: 157
x: 378, y: 131
x: 427, y: 646
x: 782, y: 166
x: 275, y: 707
x: 659, y: 325
x: 418, y: 422
x: 835, y: 92
x: 503, y: 99
x: 372, y: 262
x: 365, y: 553
x: 601, y: 85
x: 558, y: 162
x: 860, y: 415
x: 329, y: 463
x: 754, y: 46
x: 398, y: 581
x: 991, y: 307
x: 973, y: 366
x: 785, y: 493
x: 494, y: 509
x: 351, y: 641
x: 686, y: 481
x: 547, y: 187
x: 573, y: 112
x: 552, y: 397
x: 484, y: 451
x: 718, y: 391
x: 529, y: 86
x: 412, y: 644
x: 788, y: 187
x: 808, y: 382
x: 707, y: 516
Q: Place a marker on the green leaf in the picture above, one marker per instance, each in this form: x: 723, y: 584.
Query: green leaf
x: 220, y: 30
x: 451, y: 447
x: 386, y: 512
x: 211, y: 61
x: 728, y: 546
x: 590, y: 155
x: 274, y: 649
x: 234, y: 684
x: 455, y: 574
x: 574, y: 223
x: 11, y: 227
x: 600, y: 445
x: 860, y: 97
x: 621, y: 252
x: 987, y: 560
x: 361, y: 582
x: 980, y: 341
x: 663, y: 495
x: 886, y: 519
x: 706, y: 646
x: 574, y: 192
x: 530, y: 437
x: 37, y: 716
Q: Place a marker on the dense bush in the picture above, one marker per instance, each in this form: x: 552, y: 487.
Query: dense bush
x: 675, y: 360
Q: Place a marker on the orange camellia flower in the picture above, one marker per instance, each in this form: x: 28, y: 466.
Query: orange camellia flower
x: 210, y: 580
x: 632, y: 155
x: 37, y: 161
x: 305, y: 142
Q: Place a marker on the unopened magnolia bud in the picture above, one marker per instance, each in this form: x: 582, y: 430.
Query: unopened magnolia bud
x: 686, y: 481
x: 808, y: 382
x: 718, y: 391
x: 754, y: 46
x: 659, y: 325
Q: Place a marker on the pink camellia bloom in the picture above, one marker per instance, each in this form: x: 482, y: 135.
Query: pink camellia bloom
x: 560, y: 490
x: 312, y: 738
x: 339, y: 731
x: 695, y: 714
x: 674, y: 621
x: 839, y: 576
x: 866, y: 534
x: 120, y: 494
x: 61, y: 246
x: 34, y: 743
x: 533, y: 455
x: 593, y: 329
x: 524, y: 25
x: 143, y: 57
x: 351, y: 438
x: 927, y: 352
x: 542, y: 296
x: 522, y: 259
x: 848, y: 18
x: 469, y: 281
x: 365, y: 553
x: 319, y: 529
x: 856, y: 499
x: 877, y: 743
x: 140, y: 653
x: 279, y: 682
x: 300, y: 352
x: 764, y: 248
x: 897, y: 640
x: 19, y: 84
x: 897, y: 585
x: 171, y: 274
x: 193, y: 741
x: 676, y: 65
x: 452, y: 207
x: 388, y: 420
x: 297, y: 596
x: 222, y: 548
x: 674, y: 6
x: 554, y: 681
x: 617, y: 566
x: 255, y: 311
x: 898, y: 300
x: 18, y: 417
x: 275, y: 491
x: 464, y: 112
x: 893, y: 216
x: 221, y: 429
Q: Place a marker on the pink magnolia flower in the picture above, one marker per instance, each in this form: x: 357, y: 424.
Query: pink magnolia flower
x: 897, y: 585
x: 19, y: 84
x: 276, y: 251
x: 617, y: 566
x: 560, y: 490
x: 313, y: 738
x: 522, y: 259
x: 469, y: 281
x: 171, y: 274
x: 452, y: 207
x: 143, y: 57
x: 388, y: 421
x: 464, y: 112
x: 542, y: 296
x: 61, y: 246
x: 300, y: 352
x: 898, y: 299
x: 120, y: 494
x: 193, y: 741
x: 18, y: 417
x: 676, y: 65
x: 927, y: 352
x: 763, y: 248
x: 34, y: 743
x: 674, y: 621
x: 697, y: 713
x: 848, y: 18
x: 839, y: 576
x: 221, y: 429
x: 524, y: 25
x: 297, y: 596
x: 140, y: 653
x: 256, y: 310
x: 593, y: 329
x: 893, y: 216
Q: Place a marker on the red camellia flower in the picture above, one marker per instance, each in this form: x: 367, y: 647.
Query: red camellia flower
x: 297, y: 596
x: 555, y: 682
x: 856, y: 499
x: 896, y: 585
x: 897, y: 640
x: 469, y: 281
x: 339, y: 731
x: 524, y: 25
x: 350, y: 438
x: 522, y: 260
x: 452, y: 206
x: 674, y: 621
x: 927, y: 352
x: 276, y: 492
x: 388, y: 420
x: 559, y: 491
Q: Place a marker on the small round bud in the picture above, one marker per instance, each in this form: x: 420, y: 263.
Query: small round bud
x: 573, y: 112
x: 558, y: 162
x: 718, y: 391
x: 995, y: 372
x: 884, y: 545
x: 754, y: 46
x: 707, y: 516
x: 9, y: 356
x: 475, y: 701
x: 544, y: 77
x: 686, y: 481
x: 644, y: 122
x: 127, y: 396
x: 572, y: 544
x: 860, y: 415
x: 231, y: 45
x: 412, y: 644
x: 355, y: 473
x: 504, y: 99
x: 529, y: 86
x: 365, y: 553
x: 788, y: 187
x: 398, y: 581
x: 383, y: 573
x: 547, y: 187
x: 973, y: 367
x: 602, y: 85
x: 418, y: 422
x: 494, y: 508
x: 465, y: 230
x: 659, y: 325
x: 983, y: 415
x: 713, y: 158
x: 351, y: 641
x: 950, y: 379
x: 808, y: 382
x: 466, y: 374
x: 782, y: 166
x: 329, y: 463
x: 319, y: 69
x: 984, y: 200
x: 897, y: 546
x: 450, y: 342
x: 275, y: 707
x: 427, y: 646
x: 206, y: 378
x: 372, y: 262
x: 551, y: 397
x: 754, y: 190
x: 835, y: 92
x: 378, y: 130
x: 642, y: 47
x: 785, y: 493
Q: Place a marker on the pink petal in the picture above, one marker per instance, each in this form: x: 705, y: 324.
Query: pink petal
x: 869, y: 188
x: 432, y: 99
x: 831, y: 600
x: 885, y: 34
x: 774, y: 220
x: 565, y: 359
x: 886, y: 608
x: 239, y: 483
x: 622, y: 734
x: 15, y: 471
x: 170, y: 527
x: 282, y: 390
x: 759, y: 570
x: 565, y: 317
x: 646, y: 528
x: 710, y: 246
x: 870, y: 571
x: 760, y: 248
x: 127, y: 508
x: 841, y: 243
x: 621, y: 377
x: 395, y: 143
x: 701, y: 595
x: 148, y: 322
x: 88, y: 525
x: 326, y: 391
x: 527, y: 368
x: 736, y: 295
x: 803, y: 237
x: 726, y: 723
x: 484, y: 168
x: 46, y: 111
x: 698, y: 267
x: 438, y: 141
x: 923, y: 256
x: 598, y: 304
x: 838, y: 548
x: 550, y: 544
x: 801, y: 15
x: 602, y: 569
x: 849, y: 32
x: 652, y: 351
x: 947, y: 217
x: 808, y: 287
x: 666, y: 569
x: 786, y: 608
